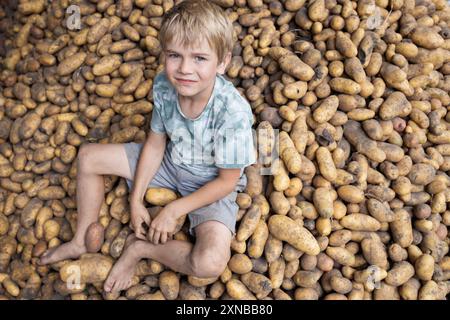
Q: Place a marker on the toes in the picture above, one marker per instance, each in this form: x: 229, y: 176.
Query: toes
x: 44, y: 258
x: 108, y: 285
x: 129, y: 284
x: 116, y: 288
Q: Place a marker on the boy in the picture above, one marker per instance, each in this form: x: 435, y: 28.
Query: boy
x: 210, y: 143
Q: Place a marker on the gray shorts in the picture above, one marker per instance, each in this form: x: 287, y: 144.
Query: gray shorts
x: 172, y: 176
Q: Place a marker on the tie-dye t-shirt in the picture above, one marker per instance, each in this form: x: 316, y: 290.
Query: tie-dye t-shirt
x: 220, y: 137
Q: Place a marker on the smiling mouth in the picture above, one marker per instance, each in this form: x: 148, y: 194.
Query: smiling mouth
x: 185, y: 81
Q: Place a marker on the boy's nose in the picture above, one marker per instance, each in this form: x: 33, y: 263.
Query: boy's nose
x: 185, y: 66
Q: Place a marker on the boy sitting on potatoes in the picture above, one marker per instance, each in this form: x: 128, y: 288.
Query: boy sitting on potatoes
x: 208, y: 124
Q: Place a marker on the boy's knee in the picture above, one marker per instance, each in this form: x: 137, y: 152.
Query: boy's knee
x: 85, y: 156
x: 208, y: 265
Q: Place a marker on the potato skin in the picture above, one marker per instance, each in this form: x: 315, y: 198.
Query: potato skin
x: 237, y: 290
x: 424, y: 266
x: 248, y: 223
x: 95, y: 236
x: 401, y: 228
x: 286, y: 229
x: 260, y: 285
x: 72, y: 63
x: 400, y: 273
x: 323, y: 201
x: 93, y: 268
x: 360, y: 222
x: 160, y: 196
x: 169, y: 284
x: 240, y: 263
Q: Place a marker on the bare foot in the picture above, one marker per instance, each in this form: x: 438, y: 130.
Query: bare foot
x: 121, y: 274
x: 69, y: 250
x: 130, y: 240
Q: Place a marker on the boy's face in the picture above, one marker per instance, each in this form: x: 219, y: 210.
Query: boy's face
x: 192, y: 71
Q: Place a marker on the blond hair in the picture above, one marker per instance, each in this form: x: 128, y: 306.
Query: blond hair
x: 193, y: 20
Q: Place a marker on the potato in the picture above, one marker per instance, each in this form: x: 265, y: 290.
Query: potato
x: 421, y: 174
x: 360, y: 222
x: 326, y: 110
x: 395, y: 105
x: 106, y: 65
x: 306, y: 294
x: 160, y: 196
x: 380, y: 210
x: 94, y: 238
x: 430, y: 291
x: 341, y: 285
x: 424, y: 267
x: 4, y: 225
x: 340, y: 237
x: 286, y: 229
x: 240, y: 263
x: 323, y: 201
x: 29, y: 125
x: 11, y: 287
x: 152, y: 296
x: 427, y: 38
x: 401, y: 228
x: 345, y: 45
x: 257, y: 283
x: 70, y: 64
x: 291, y: 64
x: 118, y: 243
x: 295, y: 90
x: 289, y: 154
x: 326, y: 164
x: 362, y: 143
x: 344, y: 85
x: 386, y: 292
x: 200, y: 282
x: 169, y: 284
x: 237, y: 290
x: 254, y: 181
x: 281, y: 295
x: 51, y: 193
x: 341, y: 255
x: 272, y: 248
x: 374, y: 252
x: 29, y: 213
x: 400, y: 273
x: 258, y: 240
x: 91, y: 268
x: 307, y: 279
x: 189, y: 292
x: 51, y: 230
x: 97, y: 31
x: 351, y: 194
x: 216, y: 290
x: 279, y: 203
x: 248, y: 223
x: 410, y: 290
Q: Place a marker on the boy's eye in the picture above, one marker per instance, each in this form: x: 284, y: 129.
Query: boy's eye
x: 175, y: 55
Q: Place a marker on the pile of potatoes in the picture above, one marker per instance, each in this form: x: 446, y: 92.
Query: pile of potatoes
x: 353, y: 95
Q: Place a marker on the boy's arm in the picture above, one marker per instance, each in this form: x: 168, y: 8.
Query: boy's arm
x: 149, y: 161
x: 214, y: 190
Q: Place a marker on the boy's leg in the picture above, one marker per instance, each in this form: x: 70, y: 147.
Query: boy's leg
x: 94, y: 161
x: 206, y: 259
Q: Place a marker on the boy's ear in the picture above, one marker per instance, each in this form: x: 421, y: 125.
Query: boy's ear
x: 223, y: 65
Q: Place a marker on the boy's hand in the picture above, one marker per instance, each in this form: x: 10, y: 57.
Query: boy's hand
x: 163, y: 226
x: 139, y: 215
